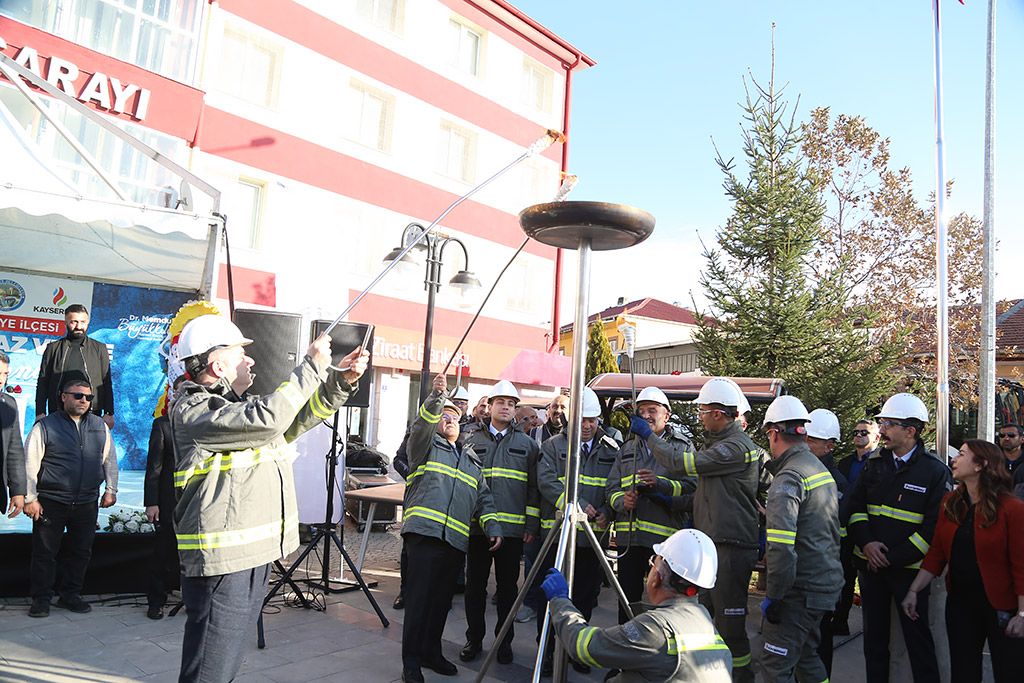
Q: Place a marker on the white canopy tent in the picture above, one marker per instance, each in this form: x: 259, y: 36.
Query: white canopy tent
x: 48, y: 227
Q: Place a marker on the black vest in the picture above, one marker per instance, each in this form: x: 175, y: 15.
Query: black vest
x: 72, y: 466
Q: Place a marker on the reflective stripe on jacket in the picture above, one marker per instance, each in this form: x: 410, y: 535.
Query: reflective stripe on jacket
x: 510, y: 468
x: 236, y: 498
x: 651, y: 521
x: 727, y: 478
x: 672, y: 641
x: 593, y: 479
x: 445, y: 490
x: 897, y: 507
x: 802, y: 527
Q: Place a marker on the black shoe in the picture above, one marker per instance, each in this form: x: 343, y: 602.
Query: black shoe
x: 505, y: 655
x: 155, y: 612
x: 470, y: 651
x: 410, y: 675
x: 443, y: 667
x: 547, y: 667
x: 40, y: 607
x: 75, y: 604
x: 399, y: 602
x: 580, y: 667
x: 841, y: 628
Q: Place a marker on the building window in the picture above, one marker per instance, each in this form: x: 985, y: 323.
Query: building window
x: 464, y: 47
x: 456, y: 152
x: 245, y: 220
x: 538, y: 183
x: 385, y: 14
x: 373, y: 113
x: 537, y: 86
x: 250, y: 67
x: 159, y: 35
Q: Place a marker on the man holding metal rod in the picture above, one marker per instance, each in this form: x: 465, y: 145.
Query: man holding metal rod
x: 446, y: 494
x: 724, y: 508
x: 236, y: 510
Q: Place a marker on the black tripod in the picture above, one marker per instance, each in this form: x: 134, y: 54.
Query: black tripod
x: 326, y: 532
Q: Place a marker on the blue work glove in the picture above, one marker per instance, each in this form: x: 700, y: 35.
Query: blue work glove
x: 655, y: 495
x: 640, y: 427
x: 555, y: 586
x: 772, y: 611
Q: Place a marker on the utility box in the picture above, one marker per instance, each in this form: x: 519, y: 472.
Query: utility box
x: 360, y: 478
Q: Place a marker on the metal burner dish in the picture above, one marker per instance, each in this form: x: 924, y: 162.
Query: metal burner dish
x: 608, y: 226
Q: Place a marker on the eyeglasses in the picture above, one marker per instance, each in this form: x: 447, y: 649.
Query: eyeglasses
x: 890, y: 423
x: 860, y: 432
x: 449, y: 418
x: 78, y: 395
x: 1008, y: 436
x: 702, y: 411
x: 650, y: 562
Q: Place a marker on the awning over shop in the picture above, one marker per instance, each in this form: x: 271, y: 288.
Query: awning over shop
x: 537, y: 367
x: 48, y: 227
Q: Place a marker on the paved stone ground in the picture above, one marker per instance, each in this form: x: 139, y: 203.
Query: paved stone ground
x: 343, y: 642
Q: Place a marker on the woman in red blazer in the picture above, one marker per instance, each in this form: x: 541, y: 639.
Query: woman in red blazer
x: 980, y: 536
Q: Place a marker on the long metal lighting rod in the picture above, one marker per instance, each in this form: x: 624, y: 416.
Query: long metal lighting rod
x: 542, y: 143
x: 941, y: 261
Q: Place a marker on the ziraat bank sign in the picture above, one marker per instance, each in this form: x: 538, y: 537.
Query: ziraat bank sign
x: 104, y: 83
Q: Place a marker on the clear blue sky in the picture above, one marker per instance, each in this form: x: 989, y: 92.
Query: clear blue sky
x: 668, y: 79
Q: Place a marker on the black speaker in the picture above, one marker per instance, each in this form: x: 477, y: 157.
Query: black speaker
x: 344, y: 338
x: 275, y: 345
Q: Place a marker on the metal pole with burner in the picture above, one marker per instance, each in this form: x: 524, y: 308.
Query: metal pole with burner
x: 585, y: 227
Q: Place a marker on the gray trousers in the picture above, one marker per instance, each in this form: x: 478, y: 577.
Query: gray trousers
x: 727, y: 603
x: 791, y: 646
x: 222, y: 613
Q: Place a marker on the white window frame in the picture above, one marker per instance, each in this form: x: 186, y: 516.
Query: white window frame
x: 450, y: 134
x: 471, y: 64
x: 534, y: 72
x: 255, y: 241
x: 384, y: 123
x: 235, y: 85
x: 370, y: 12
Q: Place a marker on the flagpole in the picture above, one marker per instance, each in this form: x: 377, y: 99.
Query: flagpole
x: 987, y: 390
x: 941, y: 263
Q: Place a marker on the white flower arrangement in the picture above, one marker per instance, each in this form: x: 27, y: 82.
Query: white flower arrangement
x: 125, y: 521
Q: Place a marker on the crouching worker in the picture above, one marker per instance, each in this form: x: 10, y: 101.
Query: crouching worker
x: 446, y: 494
x: 675, y: 640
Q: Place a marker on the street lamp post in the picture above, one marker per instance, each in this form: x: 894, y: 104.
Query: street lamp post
x: 464, y: 281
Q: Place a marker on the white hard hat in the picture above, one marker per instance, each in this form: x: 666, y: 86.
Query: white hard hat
x: 744, y: 406
x: 449, y: 405
x: 904, y: 406
x: 206, y: 333
x: 591, y: 405
x: 823, y: 424
x: 721, y: 390
x: 692, y: 555
x: 655, y: 395
x: 503, y: 388
x: 785, y: 409
x: 461, y: 395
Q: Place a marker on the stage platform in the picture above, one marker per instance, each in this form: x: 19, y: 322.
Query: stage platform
x: 120, y: 562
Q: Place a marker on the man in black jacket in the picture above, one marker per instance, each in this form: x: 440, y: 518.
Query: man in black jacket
x: 68, y: 454
x: 75, y: 357
x: 159, y: 499
x: 12, y: 452
x: 892, y: 513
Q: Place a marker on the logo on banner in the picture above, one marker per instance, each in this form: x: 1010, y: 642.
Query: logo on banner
x: 12, y: 295
x: 59, y: 297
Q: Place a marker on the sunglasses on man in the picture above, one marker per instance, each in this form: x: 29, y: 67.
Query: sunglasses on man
x: 860, y: 432
x: 78, y: 395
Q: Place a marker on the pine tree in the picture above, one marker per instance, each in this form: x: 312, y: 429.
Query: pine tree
x: 771, y: 314
x: 599, y: 352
